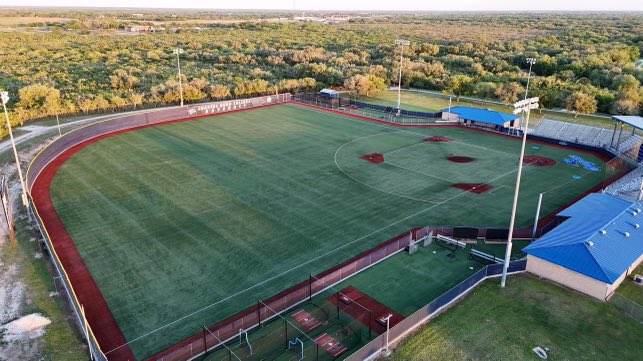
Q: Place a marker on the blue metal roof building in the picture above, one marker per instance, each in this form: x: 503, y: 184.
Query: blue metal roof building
x: 601, y: 238
x: 482, y: 115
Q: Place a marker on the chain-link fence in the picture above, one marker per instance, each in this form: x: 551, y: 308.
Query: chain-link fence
x: 628, y: 306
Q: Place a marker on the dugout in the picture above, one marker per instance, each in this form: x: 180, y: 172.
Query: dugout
x: 594, y: 249
x: 482, y: 118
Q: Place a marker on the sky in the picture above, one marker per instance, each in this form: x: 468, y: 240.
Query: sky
x: 402, y: 5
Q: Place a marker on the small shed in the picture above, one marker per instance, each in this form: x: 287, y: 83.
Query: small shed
x: 329, y: 93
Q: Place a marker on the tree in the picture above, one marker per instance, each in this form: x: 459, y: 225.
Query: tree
x: 121, y: 80
x: 39, y: 100
x: 628, y: 97
x: 218, y: 91
x: 579, y: 102
x: 510, y: 92
x: 458, y: 85
x: 136, y: 99
x: 364, y: 84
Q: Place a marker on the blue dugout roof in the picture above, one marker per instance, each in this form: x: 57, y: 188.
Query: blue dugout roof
x: 631, y: 120
x: 593, y: 241
x: 482, y: 115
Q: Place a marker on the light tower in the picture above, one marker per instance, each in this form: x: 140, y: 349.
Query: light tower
x: 401, y: 43
x: 523, y: 106
x: 177, y: 52
x: 4, y: 96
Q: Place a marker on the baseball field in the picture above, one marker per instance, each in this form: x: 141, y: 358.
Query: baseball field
x: 182, y: 225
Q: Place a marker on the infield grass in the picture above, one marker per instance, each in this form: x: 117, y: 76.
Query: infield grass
x: 185, y: 224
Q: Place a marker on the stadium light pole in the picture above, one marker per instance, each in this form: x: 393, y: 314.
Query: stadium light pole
x: 177, y: 52
x: 401, y: 43
x: 386, y: 347
x: 520, y: 107
x: 4, y: 96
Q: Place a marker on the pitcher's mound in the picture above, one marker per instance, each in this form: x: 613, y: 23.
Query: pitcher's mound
x: 373, y: 157
x: 538, y: 161
x: 437, y: 138
x: 460, y: 159
x: 476, y: 188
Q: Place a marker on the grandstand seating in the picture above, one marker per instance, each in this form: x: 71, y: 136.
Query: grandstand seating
x: 570, y: 132
x: 627, y: 186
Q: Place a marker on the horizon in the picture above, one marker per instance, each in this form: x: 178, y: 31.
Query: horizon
x: 339, y: 5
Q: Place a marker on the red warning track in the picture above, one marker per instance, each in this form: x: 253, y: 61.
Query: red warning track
x: 373, y: 158
x: 476, y: 188
x: 538, y: 161
x: 460, y: 159
x: 97, y: 311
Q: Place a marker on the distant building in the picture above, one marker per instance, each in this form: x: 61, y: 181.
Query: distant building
x: 141, y: 29
x: 481, y: 118
x: 598, y: 243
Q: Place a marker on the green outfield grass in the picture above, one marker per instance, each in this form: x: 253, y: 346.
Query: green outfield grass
x: 426, y: 102
x: 506, y: 324
x: 185, y: 224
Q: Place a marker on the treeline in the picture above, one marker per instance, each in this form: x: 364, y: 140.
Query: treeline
x: 584, y: 63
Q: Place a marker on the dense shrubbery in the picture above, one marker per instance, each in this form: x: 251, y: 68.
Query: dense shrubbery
x: 585, y: 62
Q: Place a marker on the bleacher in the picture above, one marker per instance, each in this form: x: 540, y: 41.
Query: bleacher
x: 576, y: 133
x: 627, y: 186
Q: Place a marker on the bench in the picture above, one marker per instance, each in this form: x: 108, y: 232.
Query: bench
x: 448, y: 242
x: 488, y: 258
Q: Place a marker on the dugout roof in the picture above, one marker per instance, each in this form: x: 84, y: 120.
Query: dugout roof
x: 632, y: 120
x: 602, y: 237
x: 482, y: 115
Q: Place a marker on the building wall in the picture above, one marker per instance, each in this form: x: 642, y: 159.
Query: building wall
x: 569, y: 278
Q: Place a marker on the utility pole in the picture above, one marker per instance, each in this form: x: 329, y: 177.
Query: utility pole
x: 4, y: 96
x: 177, y: 52
x: 402, y: 43
x: 519, y: 107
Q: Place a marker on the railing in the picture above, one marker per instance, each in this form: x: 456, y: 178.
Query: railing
x: 424, y: 314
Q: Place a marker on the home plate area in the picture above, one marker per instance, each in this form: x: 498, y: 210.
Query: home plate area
x: 367, y: 310
x: 306, y: 320
x: 330, y: 345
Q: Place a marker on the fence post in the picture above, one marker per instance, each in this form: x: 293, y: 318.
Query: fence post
x: 205, y: 342
x: 310, y: 288
x: 338, y: 300
x: 286, y: 327
x: 370, y: 325
x: 259, y: 311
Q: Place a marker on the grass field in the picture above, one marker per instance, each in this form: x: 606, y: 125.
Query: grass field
x: 506, y: 324
x: 184, y: 224
x: 426, y: 102
x: 631, y: 290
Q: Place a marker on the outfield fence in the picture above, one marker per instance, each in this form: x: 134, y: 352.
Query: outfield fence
x: 628, y: 306
x: 424, y: 314
x: 97, y: 130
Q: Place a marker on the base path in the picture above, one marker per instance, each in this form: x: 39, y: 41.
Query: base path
x: 438, y: 139
x: 365, y: 309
